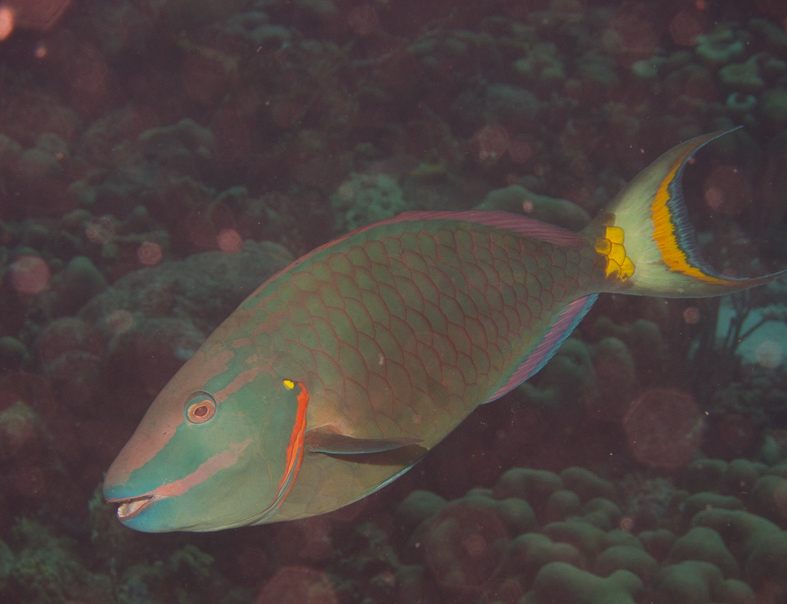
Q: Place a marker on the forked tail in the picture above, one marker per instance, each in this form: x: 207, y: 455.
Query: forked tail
x: 646, y: 240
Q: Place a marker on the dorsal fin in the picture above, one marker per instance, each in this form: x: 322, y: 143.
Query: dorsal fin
x: 509, y: 221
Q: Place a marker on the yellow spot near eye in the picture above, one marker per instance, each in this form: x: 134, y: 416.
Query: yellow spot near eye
x: 289, y: 384
x: 619, y: 266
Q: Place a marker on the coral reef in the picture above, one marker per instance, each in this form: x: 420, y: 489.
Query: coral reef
x: 542, y: 537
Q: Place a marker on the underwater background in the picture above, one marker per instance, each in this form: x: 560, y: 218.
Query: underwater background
x: 160, y: 159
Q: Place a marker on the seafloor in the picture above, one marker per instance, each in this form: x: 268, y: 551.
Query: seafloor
x: 159, y: 159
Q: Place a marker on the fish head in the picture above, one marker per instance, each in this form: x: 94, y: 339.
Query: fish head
x: 215, y: 450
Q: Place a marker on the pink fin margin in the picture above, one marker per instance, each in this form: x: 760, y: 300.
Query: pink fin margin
x: 509, y: 221
x: 529, y: 227
x: 560, y: 329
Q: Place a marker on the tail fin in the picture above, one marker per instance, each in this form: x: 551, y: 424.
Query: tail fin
x: 647, y: 241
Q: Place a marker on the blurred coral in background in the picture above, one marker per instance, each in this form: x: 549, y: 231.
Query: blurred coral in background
x: 30, y: 14
x: 159, y: 159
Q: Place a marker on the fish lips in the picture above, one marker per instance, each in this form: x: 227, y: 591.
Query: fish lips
x: 131, y: 507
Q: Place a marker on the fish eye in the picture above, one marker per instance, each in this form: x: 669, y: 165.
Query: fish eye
x: 200, y: 408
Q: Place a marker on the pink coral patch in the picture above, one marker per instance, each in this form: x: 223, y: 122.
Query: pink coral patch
x: 297, y: 585
x: 663, y: 427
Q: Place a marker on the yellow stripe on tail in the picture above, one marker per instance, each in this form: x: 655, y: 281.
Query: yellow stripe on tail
x: 645, y: 240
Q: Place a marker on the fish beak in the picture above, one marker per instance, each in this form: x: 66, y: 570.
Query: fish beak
x: 129, y: 508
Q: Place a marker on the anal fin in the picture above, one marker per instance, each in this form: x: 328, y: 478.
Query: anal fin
x: 555, y: 335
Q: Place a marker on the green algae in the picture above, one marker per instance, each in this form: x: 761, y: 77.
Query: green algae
x: 46, y: 568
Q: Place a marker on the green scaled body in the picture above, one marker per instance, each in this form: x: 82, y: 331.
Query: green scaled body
x: 344, y: 369
x: 400, y: 331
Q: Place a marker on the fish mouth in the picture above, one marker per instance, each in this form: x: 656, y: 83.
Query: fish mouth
x: 133, y: 506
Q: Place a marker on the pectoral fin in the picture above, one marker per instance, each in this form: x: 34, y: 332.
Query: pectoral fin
x: 319, y: 441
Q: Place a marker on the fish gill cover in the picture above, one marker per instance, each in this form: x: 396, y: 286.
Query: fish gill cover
x: 160, y: 160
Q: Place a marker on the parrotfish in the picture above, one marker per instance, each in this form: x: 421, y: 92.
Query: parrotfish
x: 339, y: 373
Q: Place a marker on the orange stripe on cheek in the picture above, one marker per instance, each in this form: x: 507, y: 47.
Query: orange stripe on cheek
x: 208, y: 468
x: 664, y: 229
x: 295, y: 446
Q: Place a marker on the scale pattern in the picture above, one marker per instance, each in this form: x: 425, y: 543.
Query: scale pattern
x: 403, y: 329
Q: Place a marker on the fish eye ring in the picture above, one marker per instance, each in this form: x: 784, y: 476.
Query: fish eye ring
x: 200, y: 408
